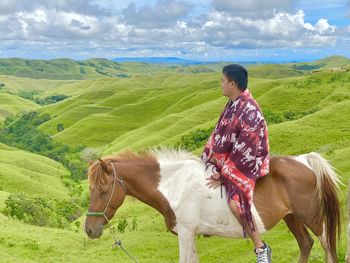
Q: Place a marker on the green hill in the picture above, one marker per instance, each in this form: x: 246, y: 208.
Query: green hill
x: 109, y: 114
x: 15, y: 84
x: 273, y: 71
x: 109, y: 108
x: 22, y: 171
x: 68, y: 69
x: 332, y: 62
x: 12, y: 104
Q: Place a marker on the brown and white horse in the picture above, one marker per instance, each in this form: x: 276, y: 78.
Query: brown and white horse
x: 347, y: 257
x: 301, y: 190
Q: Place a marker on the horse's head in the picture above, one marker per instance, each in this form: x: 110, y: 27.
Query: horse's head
x: 107, y: 193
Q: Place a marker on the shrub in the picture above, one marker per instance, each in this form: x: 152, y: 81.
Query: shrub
x: 195, y: 139
x: 40, y: 211
x: 134, y: 223
x: 272, y: 117
x: 122, y: 224
x: 35, y: 211
x: 60, y: 127
x: 50, y: 99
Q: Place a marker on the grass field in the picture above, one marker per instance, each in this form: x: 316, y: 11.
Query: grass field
x: 115, y: 113
x: 22, y: 171
x: 11, y: 105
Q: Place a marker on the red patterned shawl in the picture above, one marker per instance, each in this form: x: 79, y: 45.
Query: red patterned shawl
x: 239, y: 150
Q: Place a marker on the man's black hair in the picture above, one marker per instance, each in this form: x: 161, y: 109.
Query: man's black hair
x: 238, y: 74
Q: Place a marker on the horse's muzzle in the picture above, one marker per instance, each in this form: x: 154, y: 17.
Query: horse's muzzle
x: 93, y: 234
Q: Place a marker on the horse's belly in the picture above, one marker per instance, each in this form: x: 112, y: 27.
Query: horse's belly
x: 197, y: 207
x: 217, y: 219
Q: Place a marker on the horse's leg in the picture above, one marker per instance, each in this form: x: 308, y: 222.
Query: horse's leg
x: 323, y: 240
x: 187, y: 245
x: 302, y: 236
x: 347, y: 257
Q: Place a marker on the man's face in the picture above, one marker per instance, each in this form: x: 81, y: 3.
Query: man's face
x: 227, y: 86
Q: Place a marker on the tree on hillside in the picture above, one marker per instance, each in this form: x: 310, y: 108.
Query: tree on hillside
x: 60, y: 127
x: 194, y: 139
x: 22, y: 132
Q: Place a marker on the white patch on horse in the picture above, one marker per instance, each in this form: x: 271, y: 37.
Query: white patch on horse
x: 302, y: 159
x: 197, y: 208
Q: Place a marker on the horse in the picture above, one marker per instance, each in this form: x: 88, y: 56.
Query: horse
x: 301, y: 190
x: 347, y: 257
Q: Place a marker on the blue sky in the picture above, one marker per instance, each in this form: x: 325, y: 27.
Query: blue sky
x: 209, y: 30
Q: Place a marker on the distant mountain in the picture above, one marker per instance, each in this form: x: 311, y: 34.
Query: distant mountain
x: 64, y: 69
x: 69, y: 69
x: 336, y: 61
x: 325, y: 63
x: 159, y: 60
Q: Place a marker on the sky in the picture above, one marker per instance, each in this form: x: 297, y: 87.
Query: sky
x: 205, y: 30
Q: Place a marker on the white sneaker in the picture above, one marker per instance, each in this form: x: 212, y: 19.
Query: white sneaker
x: 263, y: 254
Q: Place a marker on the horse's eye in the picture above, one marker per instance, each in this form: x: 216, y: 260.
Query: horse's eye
x: 104, y: 193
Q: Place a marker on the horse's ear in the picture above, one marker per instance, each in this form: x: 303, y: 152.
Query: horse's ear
x: 90, y: 162
x: 104, y: 165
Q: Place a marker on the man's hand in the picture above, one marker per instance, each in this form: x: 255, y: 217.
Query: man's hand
x: 214, y: 181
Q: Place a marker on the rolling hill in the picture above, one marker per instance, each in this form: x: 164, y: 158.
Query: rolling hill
x: 22, y: 171
x: 68, y: 69
x: 12, y: 104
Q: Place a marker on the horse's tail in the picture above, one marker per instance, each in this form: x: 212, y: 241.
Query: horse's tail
x: 326, y: 192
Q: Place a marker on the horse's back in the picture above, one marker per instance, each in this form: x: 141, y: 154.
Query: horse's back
x: 288, y: 188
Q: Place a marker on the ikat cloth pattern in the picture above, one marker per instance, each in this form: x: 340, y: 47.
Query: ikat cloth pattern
x: 239, y: 150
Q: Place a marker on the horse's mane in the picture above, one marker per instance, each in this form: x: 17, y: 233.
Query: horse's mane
x: 173, y: 155
x: 97, y: 176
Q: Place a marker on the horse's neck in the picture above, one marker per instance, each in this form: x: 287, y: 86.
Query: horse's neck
x: 160, y: 185
x: 179, y: 179
x: 143, y: 184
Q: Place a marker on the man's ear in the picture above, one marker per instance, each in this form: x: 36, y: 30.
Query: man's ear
x: 103, y: 165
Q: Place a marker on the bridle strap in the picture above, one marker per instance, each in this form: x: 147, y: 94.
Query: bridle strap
x: 115, y: 179
x: 103, y: 213
x: 120, y: 180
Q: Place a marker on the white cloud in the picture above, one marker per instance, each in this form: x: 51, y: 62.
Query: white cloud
x: 163, y: 13
x: 87, y: 7
x: 281, y: 30
x: 323, y: 26
x: 165, y: 26
x: 252, y: 8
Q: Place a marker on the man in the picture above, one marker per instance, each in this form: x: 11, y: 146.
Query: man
x: 238, y: 148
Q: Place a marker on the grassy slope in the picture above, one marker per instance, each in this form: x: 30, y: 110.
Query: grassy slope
x: 331, y: 62
x: 12, y: 104
x: 108, y: 113
x: 195, y: 103
x: 108, y: 108
x: 273, y: 71
x: 15, y: 84
x: 22, y: 171
x: 68, y: 69
x: 41, y: 69
x: 65, y: 69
